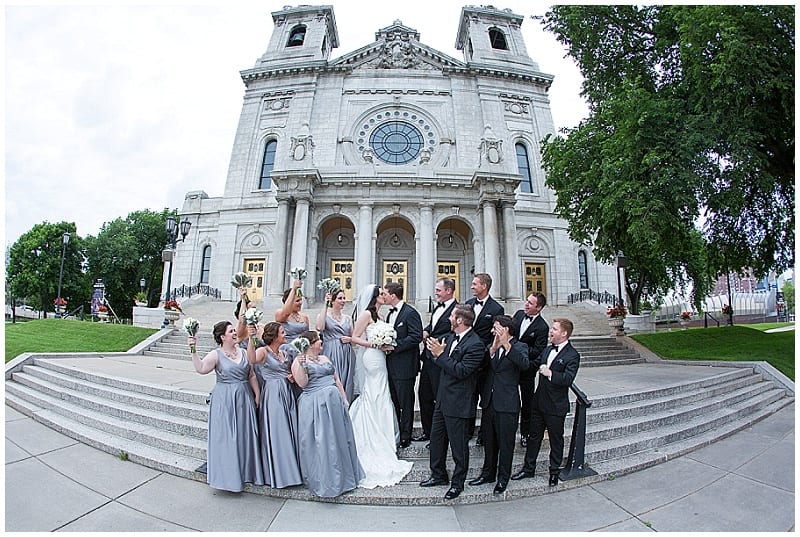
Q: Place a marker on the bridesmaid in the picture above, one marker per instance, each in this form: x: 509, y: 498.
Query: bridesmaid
x: 336, y: 329
x: 233, y: 452
x: 328, y: 457
x: 277, y: 412
x: 294, y: 321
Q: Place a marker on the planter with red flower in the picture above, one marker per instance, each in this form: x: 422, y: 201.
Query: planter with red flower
x: 616, y: 319
x: 172, y: 311
x: 684, y: 318
x: 102, y: 313
x: 60, y: 305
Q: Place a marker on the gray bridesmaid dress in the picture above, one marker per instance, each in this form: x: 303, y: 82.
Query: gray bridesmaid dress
x: 277, y: 420
x: 328, y: 457
x: 234, y: 456
x: 292, y: 330
x: 341, y: 354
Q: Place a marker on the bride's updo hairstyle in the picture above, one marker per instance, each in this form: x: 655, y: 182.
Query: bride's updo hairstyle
x: 372, y: 307
x: 367, y: 300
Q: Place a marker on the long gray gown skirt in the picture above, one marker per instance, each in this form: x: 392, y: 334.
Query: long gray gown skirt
x: 234, y: 455
x: 328, y: 458
x: 341, y: 354
x: 277, y: 420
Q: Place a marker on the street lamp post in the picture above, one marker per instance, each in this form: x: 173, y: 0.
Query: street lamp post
x: 172, y: 243
x: 621, y: 264
x: 64, y: 241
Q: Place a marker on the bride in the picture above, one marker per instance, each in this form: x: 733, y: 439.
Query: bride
x: 374, y: 420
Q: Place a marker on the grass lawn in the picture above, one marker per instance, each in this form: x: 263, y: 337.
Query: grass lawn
x: 731, y: 343
x: 63, y: 335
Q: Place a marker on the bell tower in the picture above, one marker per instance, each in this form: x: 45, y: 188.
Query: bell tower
x: 303, y: 34
x: 491, y: 37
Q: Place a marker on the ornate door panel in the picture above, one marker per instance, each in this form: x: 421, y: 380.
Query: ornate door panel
x: 395, y: 271
x: 535, y: 281
x: 342, y: 271
x: 255, y: 269
x: 449, y: 269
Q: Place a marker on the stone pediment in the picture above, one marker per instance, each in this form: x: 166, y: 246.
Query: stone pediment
x: 397, y: 47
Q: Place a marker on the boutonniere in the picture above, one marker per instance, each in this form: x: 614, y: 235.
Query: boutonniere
x: 400, y: 324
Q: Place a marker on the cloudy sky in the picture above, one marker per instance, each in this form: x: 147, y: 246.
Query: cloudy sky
x: 117, y: 108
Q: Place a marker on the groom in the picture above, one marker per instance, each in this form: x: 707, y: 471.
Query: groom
x: 402, y: 359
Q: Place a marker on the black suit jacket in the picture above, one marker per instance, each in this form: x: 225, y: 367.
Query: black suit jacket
x: 552, y: 395
x: 402, y: 362
x: 502, y: 379
x: 441, y: 329
x: 536, y: 337
x: 484, y: 322
x: 459, y: 376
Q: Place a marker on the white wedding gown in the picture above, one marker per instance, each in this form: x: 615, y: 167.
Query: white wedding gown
x: 375, y: 424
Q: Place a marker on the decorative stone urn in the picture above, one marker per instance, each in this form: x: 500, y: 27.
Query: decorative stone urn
x: 172, y: 316
x: 618, y: 324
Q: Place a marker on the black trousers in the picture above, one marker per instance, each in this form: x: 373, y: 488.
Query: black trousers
x: 402, y: 394
x: 482, y: 374
x: 554, y: 425
x: 499, y: 431
x: 527, y: 383
x: 453, y: 431
x: 428, y: 386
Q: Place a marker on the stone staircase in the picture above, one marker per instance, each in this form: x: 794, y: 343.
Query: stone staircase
x: 165, y: 427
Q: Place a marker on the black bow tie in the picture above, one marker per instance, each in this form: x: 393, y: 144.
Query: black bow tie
x: 440, y: 304
x: 457, y: 338
x: 529, y: 317
x: 392, y: 310
x: 554, y: 348
x: 479, y: 302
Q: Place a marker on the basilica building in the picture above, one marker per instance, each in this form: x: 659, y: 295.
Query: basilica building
x: 393, y: 162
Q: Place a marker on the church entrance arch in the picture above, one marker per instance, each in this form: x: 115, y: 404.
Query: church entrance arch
x: 396, y: 254
x: 336, y: 255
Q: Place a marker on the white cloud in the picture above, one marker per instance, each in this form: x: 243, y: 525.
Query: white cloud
x: 112, y: 109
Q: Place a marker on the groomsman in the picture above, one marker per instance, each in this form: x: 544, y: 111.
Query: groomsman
x: 532, y: 330
x: 438, y: 327
x: 459, y: 358
x: 402, y: 360
x: 500, y: 404
x: 485, y: 308
x: 557, y: 367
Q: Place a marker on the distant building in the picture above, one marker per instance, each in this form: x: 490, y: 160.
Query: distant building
x: 393, y: 162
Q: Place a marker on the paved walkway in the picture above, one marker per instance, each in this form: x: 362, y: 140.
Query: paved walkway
x: 742, y: 483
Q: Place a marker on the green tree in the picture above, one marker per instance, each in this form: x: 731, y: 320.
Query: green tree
x: 35, y: 262
x: 125, y: 251
x: 788, y: 296
x: 691, y: 127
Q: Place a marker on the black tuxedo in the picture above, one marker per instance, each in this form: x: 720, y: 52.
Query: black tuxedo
x: 551, y: 405
x: 536, y: 337
x: 483, y: 324
x: 452, y: 412
x: 402, y: 365
x: 429, y: 376
x: 500, y: 406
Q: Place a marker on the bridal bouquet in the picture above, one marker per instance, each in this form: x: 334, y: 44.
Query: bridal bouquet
x: 298, y: 273
x: 241, y: 279
x: 329, y: 286
x: 253, y: 316
x: 191, y: 326
x: 382, y: 334
x: 301, y: 344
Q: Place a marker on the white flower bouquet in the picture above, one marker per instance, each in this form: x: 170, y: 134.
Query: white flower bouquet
x: 298, y: 273
x: 191, y: 326
x: 329, y: 286
x: 382, y: 334
x: 301, y: 344
x: 241, y: 279
x: 253, y: 316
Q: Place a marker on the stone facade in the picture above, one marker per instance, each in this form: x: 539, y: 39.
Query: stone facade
x: 391, y: 162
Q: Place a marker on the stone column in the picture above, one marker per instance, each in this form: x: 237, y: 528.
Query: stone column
x: 277, y: 264
x: 300, y: 237
x: 426, y: 260
x: 513, y: 275
x: 365, y: 261
x: 491, y: 246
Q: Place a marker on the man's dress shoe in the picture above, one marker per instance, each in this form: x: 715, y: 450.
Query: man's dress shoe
x: 421, y: 438
x: 479, y: 441
x: 500, y: 488
x: 405, y: 443
x: 480, y: 480
x: 452, y: 494
x: 523, y: 442
x: 522, y: 474
x: 553, y: 480
x: 433, y: 482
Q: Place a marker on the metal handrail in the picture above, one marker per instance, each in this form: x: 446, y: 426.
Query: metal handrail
x: 706, y: 315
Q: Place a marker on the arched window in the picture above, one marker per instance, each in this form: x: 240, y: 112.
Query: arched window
x: 297, y: 36
x: 205, y: 266
x: 267, y: 164
x: 524, y: 167
x: 583, y: 269
x: 497, y: 39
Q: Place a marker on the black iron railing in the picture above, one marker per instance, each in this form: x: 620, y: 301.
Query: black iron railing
x: 185, y: 291
x: 587, y: 294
